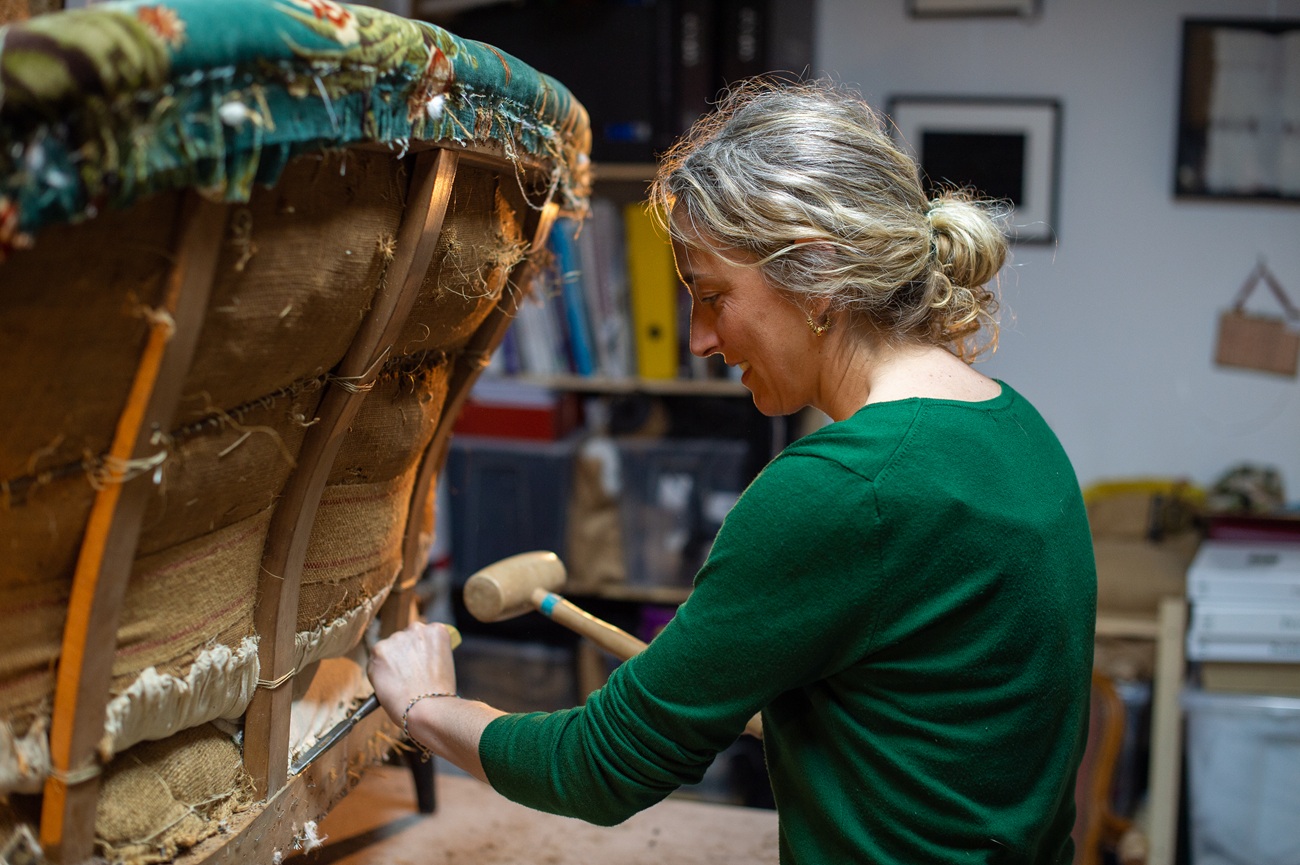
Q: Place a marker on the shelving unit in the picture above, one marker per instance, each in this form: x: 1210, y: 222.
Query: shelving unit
x: 703, y: 387
x: 623, y: 172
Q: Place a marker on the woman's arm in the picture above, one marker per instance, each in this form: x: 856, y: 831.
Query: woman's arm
x: 416, y: 665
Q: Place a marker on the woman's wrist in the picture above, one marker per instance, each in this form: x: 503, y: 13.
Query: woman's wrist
x: 450, y: 728
x: 406, y: 718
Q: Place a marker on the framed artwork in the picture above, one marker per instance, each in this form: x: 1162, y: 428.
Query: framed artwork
x: 962, y: 8
x: 1005, y: 149
x: 1239, y: 110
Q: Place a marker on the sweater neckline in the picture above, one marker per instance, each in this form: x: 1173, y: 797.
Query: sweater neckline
x: 1001, y: 400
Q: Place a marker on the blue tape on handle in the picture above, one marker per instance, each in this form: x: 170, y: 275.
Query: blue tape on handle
x: 548, y: 604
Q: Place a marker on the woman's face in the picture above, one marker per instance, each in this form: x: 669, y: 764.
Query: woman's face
x: 737, y: 314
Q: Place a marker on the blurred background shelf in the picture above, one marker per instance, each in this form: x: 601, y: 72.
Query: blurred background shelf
x: 649, y: 386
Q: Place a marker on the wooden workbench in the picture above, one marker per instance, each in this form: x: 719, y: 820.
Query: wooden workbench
x: 378, y: 823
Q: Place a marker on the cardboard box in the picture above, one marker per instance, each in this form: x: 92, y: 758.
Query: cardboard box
x: 1144, y: 538
x: 1134, y: 575
x: 1251, y: 678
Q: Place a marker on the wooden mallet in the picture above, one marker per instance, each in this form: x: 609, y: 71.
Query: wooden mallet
x: 529, y: 581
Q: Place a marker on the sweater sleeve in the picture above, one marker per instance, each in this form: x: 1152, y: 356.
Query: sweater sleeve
x: 773, y: 608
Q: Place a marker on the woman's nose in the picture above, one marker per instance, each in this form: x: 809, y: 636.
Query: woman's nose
x: 704, y: 341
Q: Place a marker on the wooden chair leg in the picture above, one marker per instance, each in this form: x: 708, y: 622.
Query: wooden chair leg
x: 423, y: 775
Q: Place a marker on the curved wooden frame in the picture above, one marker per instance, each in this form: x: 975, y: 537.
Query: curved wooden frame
x: 108, y: 547
x: 266, y: 724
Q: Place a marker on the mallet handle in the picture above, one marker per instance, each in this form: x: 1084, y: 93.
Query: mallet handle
x: 616, y: 641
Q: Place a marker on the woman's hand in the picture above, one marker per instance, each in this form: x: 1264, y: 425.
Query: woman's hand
x: 409, y: 663
x: 417, y: 662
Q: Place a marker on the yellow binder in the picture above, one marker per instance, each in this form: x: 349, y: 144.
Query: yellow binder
x: 652, y: 286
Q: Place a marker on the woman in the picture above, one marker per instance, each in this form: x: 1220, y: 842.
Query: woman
x: 907, y: 594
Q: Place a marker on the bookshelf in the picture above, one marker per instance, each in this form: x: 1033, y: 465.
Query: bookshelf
x: 705, y: 429
x: 623, y: 172
x: 669, y: 61
x: 617, y: 185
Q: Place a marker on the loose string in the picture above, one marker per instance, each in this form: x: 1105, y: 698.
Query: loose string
x: 115, y: 470
x: 272, y: 684
x: 360, y: 383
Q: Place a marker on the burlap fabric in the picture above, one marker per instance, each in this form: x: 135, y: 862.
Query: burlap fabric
x: 161, y: 798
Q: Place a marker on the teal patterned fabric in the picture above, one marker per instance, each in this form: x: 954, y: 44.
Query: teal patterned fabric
x: 100, y: 106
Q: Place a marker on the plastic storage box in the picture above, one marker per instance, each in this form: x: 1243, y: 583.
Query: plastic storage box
x: 1243, y: 760
x: 507, y: 496
x: 675, y: 494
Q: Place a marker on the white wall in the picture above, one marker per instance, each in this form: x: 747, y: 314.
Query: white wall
x: 1110, y: 332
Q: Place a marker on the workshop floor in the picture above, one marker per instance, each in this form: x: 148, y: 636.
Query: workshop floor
x: 378, y: 823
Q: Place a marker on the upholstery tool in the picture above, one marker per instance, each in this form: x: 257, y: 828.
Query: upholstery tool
x: 342, y: 728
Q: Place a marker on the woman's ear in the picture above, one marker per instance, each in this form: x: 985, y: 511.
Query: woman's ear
x: 818, y: 309
x: 818, y: 312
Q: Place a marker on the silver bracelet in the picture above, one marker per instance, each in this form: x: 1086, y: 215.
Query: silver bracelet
x: 425, y: 753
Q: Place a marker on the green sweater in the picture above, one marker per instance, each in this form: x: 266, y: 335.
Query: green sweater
x: 909, y: 597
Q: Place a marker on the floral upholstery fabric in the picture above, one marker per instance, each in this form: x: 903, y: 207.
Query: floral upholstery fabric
x: 100, y: 106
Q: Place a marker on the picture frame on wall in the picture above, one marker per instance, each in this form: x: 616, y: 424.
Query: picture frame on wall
x: 971, y: 8
x: 1239, y: 110
x: 1001, y: 148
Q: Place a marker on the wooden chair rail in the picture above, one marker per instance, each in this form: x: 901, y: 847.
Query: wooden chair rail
x: 397, y: 612
x: 108, y: 547
x: 266, y: 723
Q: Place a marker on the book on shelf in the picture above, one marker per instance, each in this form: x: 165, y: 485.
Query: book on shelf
x: 742, y: 29
x: 603, y: 267
x: 567, y: 273
x: 539, y: 337
x: 608, y: 303
x: 695, y: 79
x: 609, y: 55
x: 669, y: 58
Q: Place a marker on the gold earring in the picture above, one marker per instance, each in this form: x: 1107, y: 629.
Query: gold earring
x: 818, y: 329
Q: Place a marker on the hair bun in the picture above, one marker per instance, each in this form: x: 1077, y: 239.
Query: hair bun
x: 967, y: 237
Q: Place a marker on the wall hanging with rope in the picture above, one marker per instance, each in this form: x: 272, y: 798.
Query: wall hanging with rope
x: 1260, y: 342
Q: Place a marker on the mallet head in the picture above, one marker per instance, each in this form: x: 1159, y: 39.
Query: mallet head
x: 505, y: 589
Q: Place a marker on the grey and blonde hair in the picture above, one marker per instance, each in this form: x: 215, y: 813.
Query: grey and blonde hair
x: 804, y: 182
